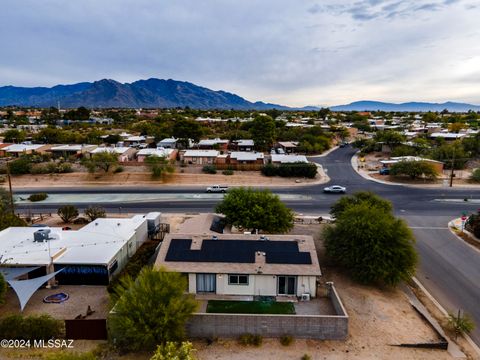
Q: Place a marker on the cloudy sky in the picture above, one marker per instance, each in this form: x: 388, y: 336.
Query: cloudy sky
x: 295, y: 52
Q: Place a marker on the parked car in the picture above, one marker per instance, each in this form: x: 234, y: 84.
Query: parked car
x: 384, y: 171
x: 335, y: 189
x: 217, y: 189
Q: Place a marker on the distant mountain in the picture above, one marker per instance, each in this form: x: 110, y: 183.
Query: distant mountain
x: 151, y: 93
x: 408, y: 106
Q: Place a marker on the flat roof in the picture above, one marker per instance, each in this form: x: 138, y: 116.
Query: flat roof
x: 246, y: 155
x: 238, y: 253
x: 245, y: 142
x: 22, y: 147
x: 162, y: 152
x: 201, y: 153
x: 115, y: 150
x: 447, y: 135
x: 74, y: 147
x: 213, y: 141
x: 96, y: 243
x: 284, y: 159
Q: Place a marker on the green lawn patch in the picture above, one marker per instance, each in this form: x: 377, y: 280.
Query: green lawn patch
x: 250, y: 307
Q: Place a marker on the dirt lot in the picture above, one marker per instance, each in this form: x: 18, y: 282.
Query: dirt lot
x: 143, y: 178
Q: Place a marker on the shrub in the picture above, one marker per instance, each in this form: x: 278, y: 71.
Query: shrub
x: 37, y: 169
x: 95, y: 212
x: 298, y: 169
x: 174, y: 351
x: 227, y: 172
x: 286, y: 340
x: 118, y: 169
x: 209, y: 169
x: 250, y: 339
x: 414, y: 169
x: 269, y: 170
x: 30, y: 327
x: 473, y: 224
x: 475, y: 176
x: 460, y: 324
x: 67, y: 213
x: 38, y: 197
x: 306, y: 357
x: 63, y: 168
x: 80, y: 221
x: 20, y: 166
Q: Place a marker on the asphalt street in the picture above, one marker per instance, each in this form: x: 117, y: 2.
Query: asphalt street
x: 448, y: 268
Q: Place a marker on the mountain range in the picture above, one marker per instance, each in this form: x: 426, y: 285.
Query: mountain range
x: 159, y: 93
x: 151, y: 93
x: 408, y: 106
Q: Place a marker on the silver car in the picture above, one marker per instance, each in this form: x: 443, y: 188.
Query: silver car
x: 335, y: 189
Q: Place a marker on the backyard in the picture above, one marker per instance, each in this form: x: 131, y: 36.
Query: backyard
x: 250, y: 307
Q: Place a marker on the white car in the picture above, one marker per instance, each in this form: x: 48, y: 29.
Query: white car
x: 335, y: 189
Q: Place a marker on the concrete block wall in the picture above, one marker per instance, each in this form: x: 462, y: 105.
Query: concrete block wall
x: 322, y: 327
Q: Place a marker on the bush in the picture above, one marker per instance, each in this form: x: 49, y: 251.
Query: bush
x: 209, y: 169
x: 298, y: 169
x: 286, y: 340
x: 174, y: 351
x: 460, y: 324
x: 95, y: 212
x: 80, y: 221
x: 135, y: 264
x: 473, y: 224
x: 118, y: 169
x: 250, y: 339
x: 20, y: 166
x: 227, y: 172
x: 37, y: 169
x: 38, y: 197
x: 475, y: 176
x: 30, y: 327
x: 67, y: 213
x: 306, y: 357
x: 414, y: 169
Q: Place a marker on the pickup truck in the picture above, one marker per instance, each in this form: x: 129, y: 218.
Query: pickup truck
x: 217, y: 189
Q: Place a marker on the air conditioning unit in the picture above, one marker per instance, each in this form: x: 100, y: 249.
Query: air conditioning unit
x: 305, y: 297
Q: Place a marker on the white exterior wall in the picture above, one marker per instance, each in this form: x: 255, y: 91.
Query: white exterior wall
x: 141, y: 233
x: 307, y: 284
x: 192, y: 283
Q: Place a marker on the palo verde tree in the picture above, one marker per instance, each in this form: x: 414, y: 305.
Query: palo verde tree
x: 158, y: 166
x: 373, y: 245
x: 102, y: 161
x: 256, y: 210
x: 67, y: 213
x: 150, y: 310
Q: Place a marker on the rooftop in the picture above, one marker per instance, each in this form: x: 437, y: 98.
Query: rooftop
x: 95, y: 243
x: 22, y: 147
x: 162, y: 152
x: 242, y: 254
x: 245, y: 156
x: 201, y: 153
x: 74, y: 147
x: 116, y: 150
x: 284, y: 159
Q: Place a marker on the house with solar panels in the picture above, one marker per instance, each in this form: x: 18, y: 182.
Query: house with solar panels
x: 244, y: 265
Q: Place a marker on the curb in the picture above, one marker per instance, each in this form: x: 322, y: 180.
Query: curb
x: 452, y: 225
x: 475, y: 347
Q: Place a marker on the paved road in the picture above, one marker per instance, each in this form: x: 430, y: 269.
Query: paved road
x: 449, y: 268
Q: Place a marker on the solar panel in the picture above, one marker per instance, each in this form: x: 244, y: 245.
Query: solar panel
x: 237, y: 251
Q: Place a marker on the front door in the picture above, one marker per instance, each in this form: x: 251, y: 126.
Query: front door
x: 286, y: 285
x: 206, y: 283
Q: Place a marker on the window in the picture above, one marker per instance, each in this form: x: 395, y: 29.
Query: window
x: 238, y: 279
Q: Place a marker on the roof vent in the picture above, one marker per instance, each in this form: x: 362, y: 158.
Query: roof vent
x: 41, y: 235
x: 214, y: 237
x: 263, y: 238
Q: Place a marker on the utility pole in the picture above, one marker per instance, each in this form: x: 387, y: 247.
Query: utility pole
x: 453, y: 167
x: 10, y: 189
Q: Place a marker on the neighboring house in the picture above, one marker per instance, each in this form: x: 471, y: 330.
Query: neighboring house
x: 169, y: 154
x: 124, y: 154
x: 168, y: 143
x: 17, y: 150
x: 91, y: 255
x: 288, y: 147
x: 76, y: 150
x: 213, y: 144
x: 243, y: 265
x: 447, y: 136
x: 138, y: 141
x: 288, y: 159
x: 243, y: 157
x: 438, y: 165
x: 243, y: 145
x: 199, y: 157
x: 2, y: 147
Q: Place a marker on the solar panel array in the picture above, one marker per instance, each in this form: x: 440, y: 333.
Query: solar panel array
x: 237, y: 251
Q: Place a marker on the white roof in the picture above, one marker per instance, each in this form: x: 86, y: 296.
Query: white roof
x: 447, y: 135
x: 17, y: 148
x: 75, y: 147
x: 210, y: 142
x: 96, y: 243
x: 288, y: 143
x: 161, y: 152
x: 245, y: 142
x: 284, y: 159
x: 168, y: 140
x: 117, y: 150
x: 201, y: 153
x: 246, y: 155
x: 136, y: 138
x: 396, y: 159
